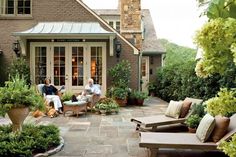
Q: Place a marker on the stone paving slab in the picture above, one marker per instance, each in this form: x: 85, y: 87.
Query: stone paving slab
x: 93, y: 135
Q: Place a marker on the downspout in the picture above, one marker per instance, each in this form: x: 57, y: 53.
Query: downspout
x: 139, y: 70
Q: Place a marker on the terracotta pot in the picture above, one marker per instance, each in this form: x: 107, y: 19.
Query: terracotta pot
x: 139, y: 102
x: 17, y: 115
x: 121, y: 102
x: 192, y: 130
x: 131, y: 101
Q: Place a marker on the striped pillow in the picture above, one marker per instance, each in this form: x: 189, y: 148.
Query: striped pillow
x: 173, y: 109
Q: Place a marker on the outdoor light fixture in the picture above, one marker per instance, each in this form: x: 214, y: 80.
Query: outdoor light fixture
x: 118, y: 48
x: 16, y: 48
x: 1, y: 52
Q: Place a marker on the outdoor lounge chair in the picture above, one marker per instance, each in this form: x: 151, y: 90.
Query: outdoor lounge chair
x: 155, y: 140
x: 145, y: 123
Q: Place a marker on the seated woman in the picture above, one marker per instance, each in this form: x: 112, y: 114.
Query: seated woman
x: 50, y: 93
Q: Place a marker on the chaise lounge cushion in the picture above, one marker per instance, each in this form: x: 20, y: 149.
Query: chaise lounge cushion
x: 205, y: 127
x: 185, y: 108
x: 222, y: 124
x: 173, y: 109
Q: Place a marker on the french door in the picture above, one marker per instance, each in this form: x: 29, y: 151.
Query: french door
x: 69, y: 64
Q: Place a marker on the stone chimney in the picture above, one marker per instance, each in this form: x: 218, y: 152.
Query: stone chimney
x: 130, y: 20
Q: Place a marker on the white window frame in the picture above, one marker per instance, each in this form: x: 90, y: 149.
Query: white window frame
x: 3, y: 9
x: 114, y: 24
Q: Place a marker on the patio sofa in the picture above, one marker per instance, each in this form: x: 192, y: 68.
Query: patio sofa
x: 150, y: 123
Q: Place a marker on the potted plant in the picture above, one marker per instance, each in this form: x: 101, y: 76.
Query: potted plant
x: 151, y: 88
x: 140, y: 97
x: 120, y: 95
x: 106, y: 105
x: 131, y: 98
x: 192, y: 122
x: 17, y: 99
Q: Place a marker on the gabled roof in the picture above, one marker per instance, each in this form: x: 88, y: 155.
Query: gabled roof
x: 65, y: 28
x: 136, y: 51
x: 151, y: 45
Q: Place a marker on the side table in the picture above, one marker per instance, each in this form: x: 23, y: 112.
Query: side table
x: 75, y: 107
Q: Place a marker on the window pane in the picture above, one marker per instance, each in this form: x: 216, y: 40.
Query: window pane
x: 40, y: 64
x: 77, y: 66
x: 23, y: 6
x: 59, y: 66
x: 96, y: 64
x: 9, y: 8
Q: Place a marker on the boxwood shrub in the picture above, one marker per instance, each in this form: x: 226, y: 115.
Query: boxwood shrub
x: 32, y: 140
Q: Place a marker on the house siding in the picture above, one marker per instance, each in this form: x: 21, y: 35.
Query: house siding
x: 156, y: 64
x: 55, y: 11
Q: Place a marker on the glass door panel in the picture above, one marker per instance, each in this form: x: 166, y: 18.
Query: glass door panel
x: 77, y: 66
x: 40, y: 64
x: 96, y: 65
x: 59, y: 66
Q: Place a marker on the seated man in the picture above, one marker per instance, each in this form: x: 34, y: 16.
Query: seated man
x: 50, y: 93
x: 91, y: 88
x: 91, y: 92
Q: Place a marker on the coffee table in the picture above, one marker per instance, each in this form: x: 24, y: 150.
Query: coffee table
x: 75, y: 107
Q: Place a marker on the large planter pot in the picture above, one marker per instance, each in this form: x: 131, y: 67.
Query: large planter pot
x: 17, y: 115
x: 139, y: 102
x: 121, y: 102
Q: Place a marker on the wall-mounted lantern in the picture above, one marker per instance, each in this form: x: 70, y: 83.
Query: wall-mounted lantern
x: 118, y: 48
x: 16, y: 48
x: 1, y: 52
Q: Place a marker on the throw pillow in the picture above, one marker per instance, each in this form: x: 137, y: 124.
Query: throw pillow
x: 173, y: 109
x: 222, y: 124
x: 185, y: 108
x: 205, y: 127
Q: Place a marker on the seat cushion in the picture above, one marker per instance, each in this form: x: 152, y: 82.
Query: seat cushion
x: 185, y: 108
x: 205, y: 127
x: 221, y: 127
x: 173, y: 109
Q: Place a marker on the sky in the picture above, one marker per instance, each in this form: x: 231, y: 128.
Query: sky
x: 174, y: 20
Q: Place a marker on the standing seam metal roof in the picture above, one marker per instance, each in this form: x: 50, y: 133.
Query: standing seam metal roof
x: 65, y: 28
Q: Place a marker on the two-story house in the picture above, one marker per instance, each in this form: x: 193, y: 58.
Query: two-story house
x: 69, y: 42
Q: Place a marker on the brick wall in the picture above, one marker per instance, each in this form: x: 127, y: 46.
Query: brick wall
x: 56, y: 10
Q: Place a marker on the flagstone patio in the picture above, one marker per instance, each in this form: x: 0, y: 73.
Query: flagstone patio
x: 93, y: 135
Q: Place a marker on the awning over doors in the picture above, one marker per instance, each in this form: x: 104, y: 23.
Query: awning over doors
x: 65, y: 29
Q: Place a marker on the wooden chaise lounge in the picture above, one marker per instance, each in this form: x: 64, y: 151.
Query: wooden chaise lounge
x: 155, y: 140
x: 151, y: 123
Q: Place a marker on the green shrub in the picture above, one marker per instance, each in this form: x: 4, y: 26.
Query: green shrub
x: 193, y: 121
x: 20, y: 67
x: 223, y: 104
x: 32, y: 140
x: 121, y: 74
x: 178, y: 81
x: 140, y: 95
x: 66, y: 96
x: 229, y: 148
x: 107, y: 104
x: 198, y: 109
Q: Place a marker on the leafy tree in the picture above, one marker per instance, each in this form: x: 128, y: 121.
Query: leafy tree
x: 177, y: 54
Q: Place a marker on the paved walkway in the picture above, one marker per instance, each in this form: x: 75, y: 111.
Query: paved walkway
x: 114, y: 135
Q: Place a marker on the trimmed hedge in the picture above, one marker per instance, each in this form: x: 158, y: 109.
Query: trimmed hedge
x: 32, y: 140
x: 175, y: 82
